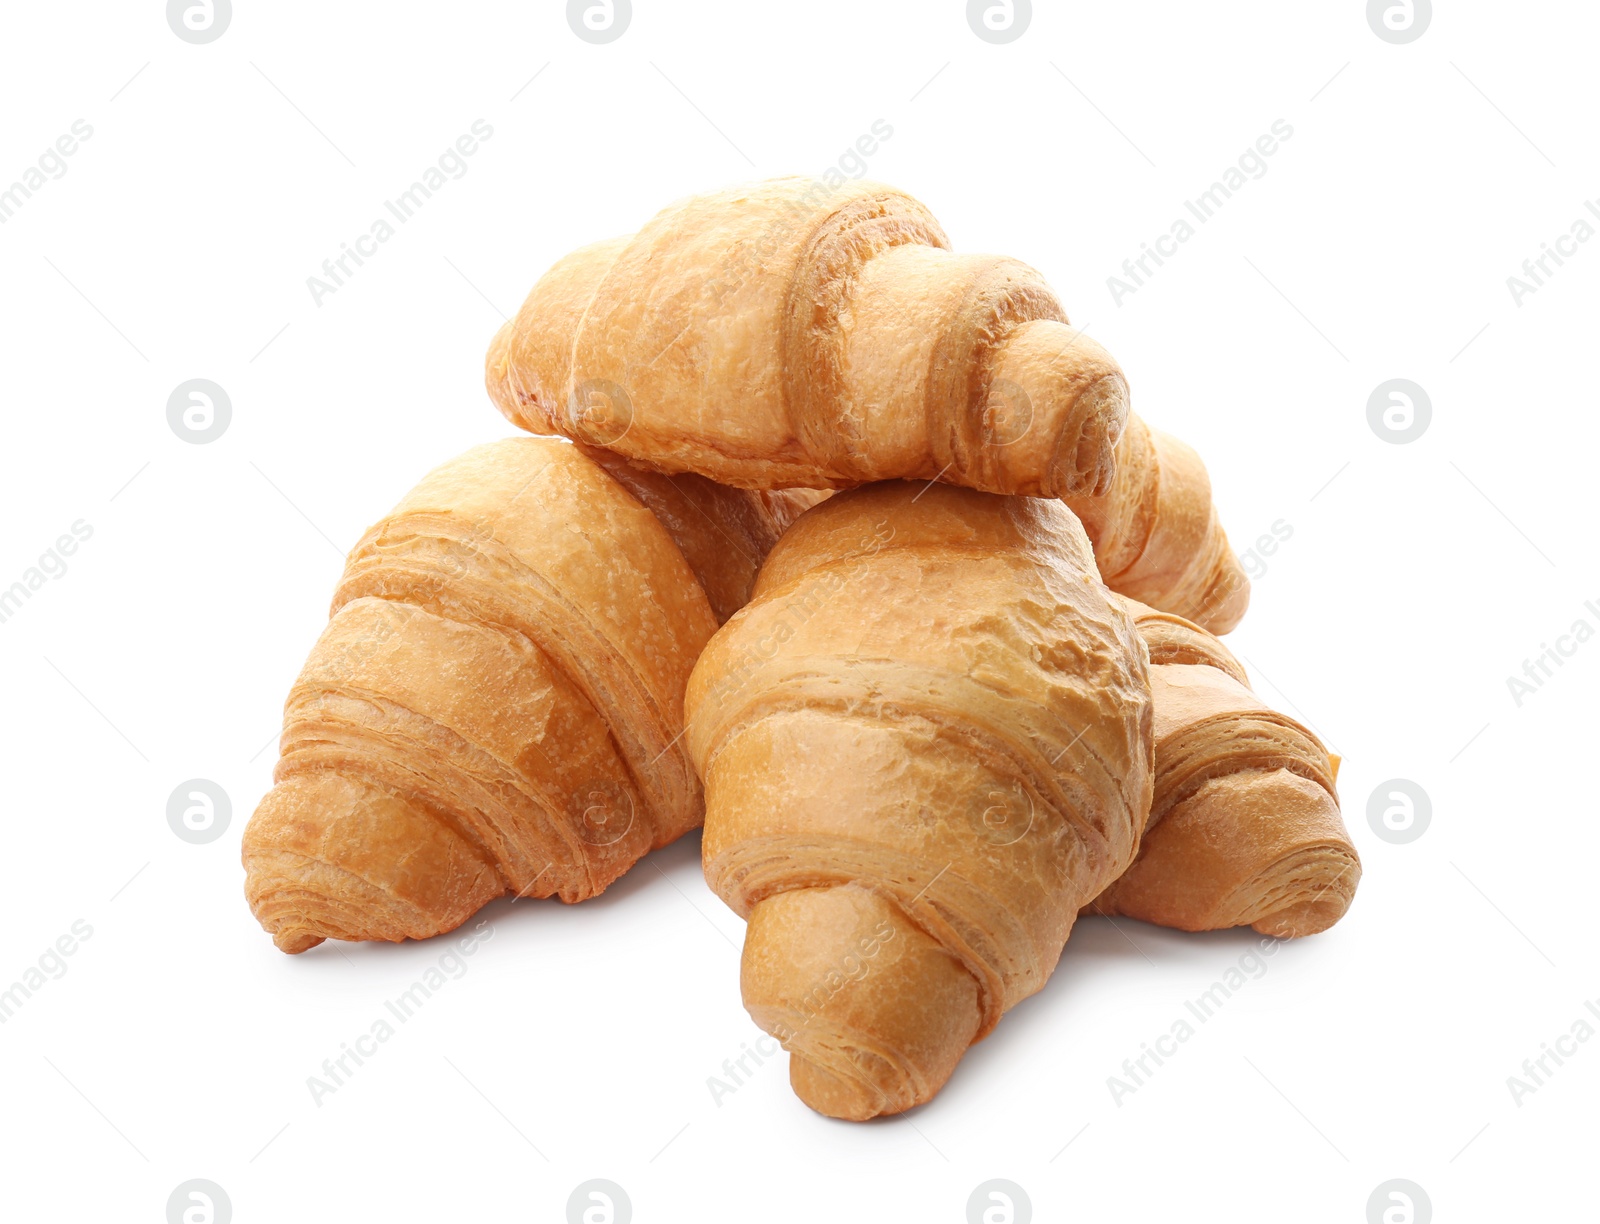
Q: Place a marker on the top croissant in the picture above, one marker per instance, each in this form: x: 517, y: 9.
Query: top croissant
x: 785, y: 333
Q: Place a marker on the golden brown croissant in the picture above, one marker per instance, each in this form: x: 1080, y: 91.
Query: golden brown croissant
x: 1156, y: 534
x: 496, y: 704
x: 779, y: 334
x: 925, y: 744
x: 782, y: 334
x: 1244, y: 825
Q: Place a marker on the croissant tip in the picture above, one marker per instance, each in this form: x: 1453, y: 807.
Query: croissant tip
x: 1310, y: 917
x: 296, y: 940
x: 835, y: 1096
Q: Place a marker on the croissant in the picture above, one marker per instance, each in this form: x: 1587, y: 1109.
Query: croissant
x: 925, y: 743
x: 496, y: 703
x: 785, y: 334
x: 1244, y: 825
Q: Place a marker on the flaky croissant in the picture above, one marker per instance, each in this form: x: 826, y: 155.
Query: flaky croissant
x: 496, y: 703
x: 925, y: 744
x: 786, y: 334
x: 1244, y: 825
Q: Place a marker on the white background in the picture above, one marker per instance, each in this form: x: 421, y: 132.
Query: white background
x: 1417, y: 579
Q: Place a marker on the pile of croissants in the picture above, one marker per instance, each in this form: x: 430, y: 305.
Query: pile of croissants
x: 926, y: 721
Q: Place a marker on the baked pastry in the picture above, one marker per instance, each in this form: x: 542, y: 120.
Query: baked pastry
x: 1244, y: 825
x: 495, y: 705
x: 781, y: 334
x: 925, y: 744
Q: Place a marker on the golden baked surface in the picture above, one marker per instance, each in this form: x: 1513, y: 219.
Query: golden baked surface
x: 928, y: 734
x: 775, y: 335
x: 496, y: 703
x: 1244, y: 826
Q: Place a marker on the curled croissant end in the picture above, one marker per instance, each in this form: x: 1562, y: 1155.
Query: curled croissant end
x: 1263, y: 849
x: 857, y: 1053
x: 1244, y: 825
x: 529, y: 361
x: 333, y: 857
x: 495, y: 704
x: 1057, y: 403
x: 1156, y: 535
x: 785, y: 333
